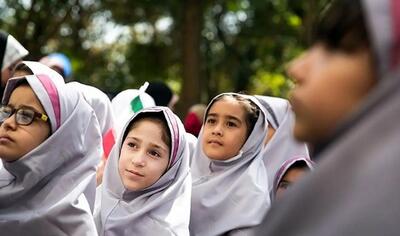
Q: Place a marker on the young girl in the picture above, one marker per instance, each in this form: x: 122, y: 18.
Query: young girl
x: 346, y: 101
x: 50, y: 144
x: 280, y: 143
x: 290, y: 172
x: 230, y: 183
x: 147, y: 185
x: 98, y: 100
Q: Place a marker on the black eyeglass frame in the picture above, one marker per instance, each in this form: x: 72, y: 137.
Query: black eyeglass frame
x: 7, y: 114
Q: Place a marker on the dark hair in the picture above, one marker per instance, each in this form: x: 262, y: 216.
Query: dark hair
x: 300, y: 164
x: 251, y: 109
x: 160, y: 92
x: 23, y: 68
x: 156, y: 117
x: 342, y: 27
x: 59, y: 70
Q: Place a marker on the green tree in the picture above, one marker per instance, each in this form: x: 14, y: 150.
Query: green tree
x: 199, y: 47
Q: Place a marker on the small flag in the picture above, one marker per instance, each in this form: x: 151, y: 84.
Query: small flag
x: 136, y: 104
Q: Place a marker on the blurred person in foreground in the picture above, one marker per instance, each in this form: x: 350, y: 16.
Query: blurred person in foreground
x: 346, y: 101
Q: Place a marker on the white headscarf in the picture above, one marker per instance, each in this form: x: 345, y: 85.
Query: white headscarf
x: 47, y: 191
x: 232, y: 194
x: 101, y: 105
x: 354, y: 190
x: 12, y: 51
x: 162, y: 208
x: 122, y: 107
x: 282, y: 145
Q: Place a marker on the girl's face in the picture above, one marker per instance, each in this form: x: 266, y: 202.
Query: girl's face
x: 292, y: 175
x: 225, y: 129
x: 144, y: 155
x: 17, y: 140
x: 329, y: 85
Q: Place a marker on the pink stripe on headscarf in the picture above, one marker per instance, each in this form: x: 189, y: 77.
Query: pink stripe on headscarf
x: 175, y: 138
x: 53, y: 95
x: 395, y: 57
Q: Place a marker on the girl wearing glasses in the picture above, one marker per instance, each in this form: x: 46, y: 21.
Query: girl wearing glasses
x: 50, y: 143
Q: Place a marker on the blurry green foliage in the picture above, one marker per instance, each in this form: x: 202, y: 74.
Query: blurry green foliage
x: 245, y: 44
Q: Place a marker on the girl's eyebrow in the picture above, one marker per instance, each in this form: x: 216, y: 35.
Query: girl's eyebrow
x: 283, y: 182
x: 234, y: 118
x: 152, y: 144
x: 29, y: 107
x: 230, y: 117
x: 159, y: 147
x: 23, y: 106
x: 134, y: 138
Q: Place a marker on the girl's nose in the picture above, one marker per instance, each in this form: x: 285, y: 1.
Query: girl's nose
x: 9, y: 123
x: 217, y: 130
x: 139, y: 159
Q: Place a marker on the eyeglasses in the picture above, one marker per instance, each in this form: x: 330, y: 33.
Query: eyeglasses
x: 23, y: 115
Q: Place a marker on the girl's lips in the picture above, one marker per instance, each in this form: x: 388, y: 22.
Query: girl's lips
x: 5, y: 138
x: 135, y: 173
x: 215, y: 142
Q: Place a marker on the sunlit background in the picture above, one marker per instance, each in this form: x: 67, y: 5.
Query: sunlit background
x: 200, y: 48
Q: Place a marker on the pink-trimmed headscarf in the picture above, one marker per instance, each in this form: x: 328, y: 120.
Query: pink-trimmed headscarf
x: 45, y: 84
x: 162, y: 208
x: 286, y: 166
x: 230, y: 196
x: 282, y: 146
x: 51, y: 189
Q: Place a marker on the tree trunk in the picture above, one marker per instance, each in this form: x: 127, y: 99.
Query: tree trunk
x: 191, y: 28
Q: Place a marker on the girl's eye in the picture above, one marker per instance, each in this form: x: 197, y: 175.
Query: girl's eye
x: 131, y: 145
x: 154, y: 153
x: 231, y: 124
x: 284, y: 185
x: 210, y: 121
